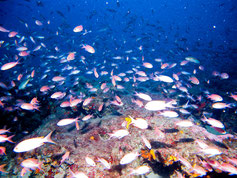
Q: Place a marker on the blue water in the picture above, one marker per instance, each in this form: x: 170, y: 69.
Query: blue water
x: 169, y: 30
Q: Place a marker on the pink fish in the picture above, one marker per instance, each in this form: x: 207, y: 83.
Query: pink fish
x: 106, y: 90
x: 215, y: 97
x: 103, y: 85
x: 234, y: 97
x: 78, y: 29
x: 118, y: 99
x: 24, y: 53
x: 226, y: 167
x: 194, y: 80
x: 2, y: 29
x: 87, y: 117
x: 71, y: 56
x: 220, y: 105
x: 65, y: 104
x: 95, y: 73
x: 147, y: 65
x: 138, y: 102
x: 4, y: 138
x: 58, y: 78
x: 9, y: 65
x: 100, y: 107
x: 87, y: 101
x: 44, y: 88
x: 31, y: 163
x: 75, y: 102
x: 2, y: 168
x: 29, y: 106
x: 184, y: 62
x: 88, y: 48
x: 37, y: 22
x: 58, y: 95
x: 12, y: 34
x: 2, y: 150
x: 64, y: 157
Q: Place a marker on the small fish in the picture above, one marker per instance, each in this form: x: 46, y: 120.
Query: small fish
x: 164, y: 78
x: 78, y: 174
x: 184, y: 123
x: 65, y: 157
x: 194, y: 80
x: 129, y: 157
x: 78, y: 28
x: 103, y: 86
x: 67, y: 121
x: 234, y: 97
x: 119, y: 133
x: 29, y: 106
x: 9, y: 65
x: 2, y: 150
x: 224, y: 76
x: 58, y: 95
x: 87, y: 101
x: 213, y: 122
x: 2, y: 29
x: 211, y: 151
x: 157, y: 105
x: 96, y: 73
x: 58, y: 78
x: 71, y: 56
x: 12, y: 34
x: 31, y: 163
x: 23, y: 84
x: 90, y: 161
x: 147, y: 65
x: 32, y: 143
x: 220, y: 105
x: 170, y: 114
x: 141, y: 170
x: 192, y: 59
x: 165, y: 65
x: 105, y: 163
x: 37, y: 22
x: 143, y: 96
x: 87, y: 117
x: 215, y: 97
x: 75, y: 102
x: 226, y: 167
x: 139, y: 123
x: 147, y: 143
x: 3, y: 165
x: 199, y: 170
x: 4, y: 138
x: 44, y: 88
x: 88, y: 48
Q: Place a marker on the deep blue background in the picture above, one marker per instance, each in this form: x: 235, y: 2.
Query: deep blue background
x: 165, y: 26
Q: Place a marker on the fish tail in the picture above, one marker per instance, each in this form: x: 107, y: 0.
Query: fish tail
x: 48, y: 138
x: 9, y: 138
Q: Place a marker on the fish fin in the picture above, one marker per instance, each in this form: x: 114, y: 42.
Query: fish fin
x: 9, y: 138
x: 48, y: 138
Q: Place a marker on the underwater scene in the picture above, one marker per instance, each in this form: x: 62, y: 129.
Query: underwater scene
x: 118, y: 88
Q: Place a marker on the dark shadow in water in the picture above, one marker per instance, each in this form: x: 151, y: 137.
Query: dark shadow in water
x: 185, y: 140
x: 71, y: 128
x: 118, y: 168
x: 219, y: 144
x: 171, y: 130
x: 156, y: 145
x: 85, y: 128
x: 162, y: 170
